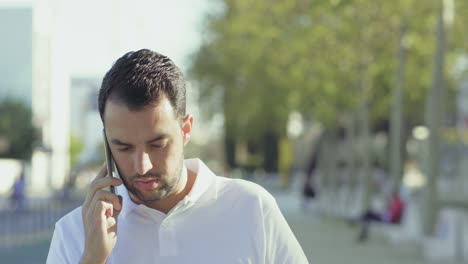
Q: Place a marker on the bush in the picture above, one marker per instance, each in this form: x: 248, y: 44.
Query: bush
x: 17, y: 133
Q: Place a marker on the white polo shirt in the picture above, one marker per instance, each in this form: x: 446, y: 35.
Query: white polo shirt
x: 220, y: 221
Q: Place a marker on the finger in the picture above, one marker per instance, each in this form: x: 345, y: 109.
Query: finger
x: 103, y: 183
x: 112, y: 227
x: 100, y: 184
x: 111, y: 224
x: 111, y: 198
x: 105, y: 196
x: 96, y: 215
x: 109, y: 212
x: 117, y: 212
x: 111, y: 221
x: 102, y: 172
x: 102, y: 209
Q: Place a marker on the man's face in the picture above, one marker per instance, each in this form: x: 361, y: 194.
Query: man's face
x: 147, y: 147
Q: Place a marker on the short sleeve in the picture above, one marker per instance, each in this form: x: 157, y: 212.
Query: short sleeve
x: 282, y: 246
x: 57, y: 253
x: 68, y: 239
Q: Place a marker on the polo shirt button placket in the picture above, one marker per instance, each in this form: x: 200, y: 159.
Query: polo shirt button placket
x: 167, y: 240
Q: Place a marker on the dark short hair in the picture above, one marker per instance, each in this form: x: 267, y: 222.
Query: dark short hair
x: 140, y: 78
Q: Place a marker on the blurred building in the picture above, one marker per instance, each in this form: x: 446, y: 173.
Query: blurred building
x: 34, y: 72
x: 16, y: 53
x: 85, y: 120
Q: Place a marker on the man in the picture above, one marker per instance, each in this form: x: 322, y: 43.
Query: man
x: 165, y: 210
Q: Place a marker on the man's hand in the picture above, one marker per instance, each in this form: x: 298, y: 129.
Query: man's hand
x: 100, y: 211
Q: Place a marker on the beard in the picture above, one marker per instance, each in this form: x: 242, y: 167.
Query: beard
x: 167, y: 184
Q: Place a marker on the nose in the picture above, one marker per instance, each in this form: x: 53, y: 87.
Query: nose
x: 142, y: 163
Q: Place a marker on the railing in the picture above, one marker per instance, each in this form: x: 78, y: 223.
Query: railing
x: 32, y: 221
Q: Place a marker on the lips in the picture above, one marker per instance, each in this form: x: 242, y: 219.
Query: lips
x: 147, y: 184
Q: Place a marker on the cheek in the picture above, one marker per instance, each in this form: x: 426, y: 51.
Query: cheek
x: 173, y: 156
x: 124, y: 165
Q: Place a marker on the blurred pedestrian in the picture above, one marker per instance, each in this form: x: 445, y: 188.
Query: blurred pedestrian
x: 391, y: 215
x: 17, y: 195
x: 309, y: 188
x: 286, y: 158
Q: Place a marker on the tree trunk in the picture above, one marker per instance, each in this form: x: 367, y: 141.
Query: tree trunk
x: 270, y: 151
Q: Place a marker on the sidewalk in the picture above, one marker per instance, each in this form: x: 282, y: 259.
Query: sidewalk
x: 324, y: 240
x: 33, y: 253
x: 328, y: 240
x: 25, y: 235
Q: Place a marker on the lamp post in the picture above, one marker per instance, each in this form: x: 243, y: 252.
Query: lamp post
x: 397, y: 113
x: 434, y: 115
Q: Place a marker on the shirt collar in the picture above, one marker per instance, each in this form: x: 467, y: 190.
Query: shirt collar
x: 203, y: 188
x: 128, y: 204
x: 204, y: 181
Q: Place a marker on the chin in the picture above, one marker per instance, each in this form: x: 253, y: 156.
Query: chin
x: 151, y: 196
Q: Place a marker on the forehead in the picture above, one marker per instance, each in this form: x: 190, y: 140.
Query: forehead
x: 121, y: 121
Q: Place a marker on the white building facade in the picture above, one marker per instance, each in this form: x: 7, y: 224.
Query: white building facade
x: 36, y: 74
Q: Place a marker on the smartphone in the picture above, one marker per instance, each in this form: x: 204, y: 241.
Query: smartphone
x: 109, y: 160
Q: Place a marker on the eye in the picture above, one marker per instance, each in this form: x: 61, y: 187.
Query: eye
x: 158, y: 146
x: 123, y: 149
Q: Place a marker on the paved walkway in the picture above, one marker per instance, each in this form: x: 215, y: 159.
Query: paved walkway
x: 325, y: 241
x: 33, y: 253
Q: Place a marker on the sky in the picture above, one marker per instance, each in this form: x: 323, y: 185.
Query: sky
x: 90, y: 35
x: 98, y: 32
x: 93, y: 34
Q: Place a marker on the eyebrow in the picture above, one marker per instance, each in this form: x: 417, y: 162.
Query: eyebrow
x: 118, y: 142
x: 157, y: 138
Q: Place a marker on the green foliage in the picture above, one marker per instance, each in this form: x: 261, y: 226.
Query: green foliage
x: 16, y: 130
x: 263, y: 59
x: 76, y: 146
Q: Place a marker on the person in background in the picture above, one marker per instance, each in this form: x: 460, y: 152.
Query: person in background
x: 17, y: 195
x: 391, y: 215
x: 309, y: 190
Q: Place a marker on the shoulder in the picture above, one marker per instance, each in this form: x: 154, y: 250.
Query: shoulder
x: 68, y: 239
x: 72, y: 220
x: 241, y: 186
x: 245, y: 192
x: 71, y: 226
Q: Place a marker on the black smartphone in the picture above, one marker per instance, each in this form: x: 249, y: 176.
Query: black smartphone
x: 109, y: 160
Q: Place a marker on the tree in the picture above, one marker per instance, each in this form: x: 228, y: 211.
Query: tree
x: 264, y: 59
x: 76, y: 146
x: 16, y: 130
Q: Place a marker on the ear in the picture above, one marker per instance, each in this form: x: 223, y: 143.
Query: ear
x: 187, y: 124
